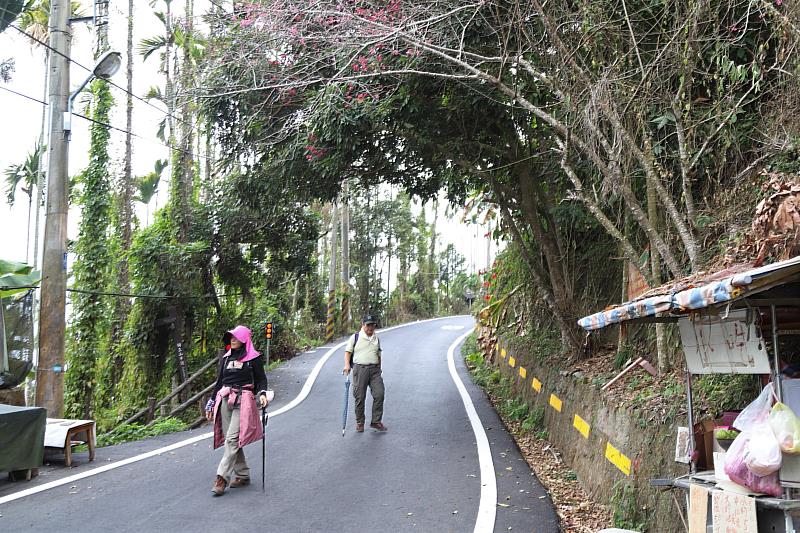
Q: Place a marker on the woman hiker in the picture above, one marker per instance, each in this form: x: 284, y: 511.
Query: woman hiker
x: 233, y: 407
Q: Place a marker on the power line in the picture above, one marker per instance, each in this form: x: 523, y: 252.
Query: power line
x: 155, y: 296
x: 23, y: 95
x: 122, y: 130
x: 128, y: 295
x: 106, y: 125
x: 123, y: 89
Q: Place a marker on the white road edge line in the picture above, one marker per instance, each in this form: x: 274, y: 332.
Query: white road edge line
x: 487, y: 509
x: 291, y: 405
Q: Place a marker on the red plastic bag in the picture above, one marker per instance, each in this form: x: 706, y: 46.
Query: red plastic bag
x: 736, y: 468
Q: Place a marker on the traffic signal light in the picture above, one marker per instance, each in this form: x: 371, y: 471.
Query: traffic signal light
x: 268, y: 330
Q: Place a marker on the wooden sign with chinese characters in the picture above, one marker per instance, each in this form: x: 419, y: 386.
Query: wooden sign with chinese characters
x: 698, y: 509
x: 733, y: 513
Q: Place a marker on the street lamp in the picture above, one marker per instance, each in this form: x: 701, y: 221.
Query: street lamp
x: 106, y: 66
x: 52, y: 307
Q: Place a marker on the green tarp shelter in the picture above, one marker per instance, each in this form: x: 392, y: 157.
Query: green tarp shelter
x: 21, y: 437
x: 9, y: 10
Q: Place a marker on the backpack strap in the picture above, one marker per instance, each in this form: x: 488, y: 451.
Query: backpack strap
x: 353, y: 353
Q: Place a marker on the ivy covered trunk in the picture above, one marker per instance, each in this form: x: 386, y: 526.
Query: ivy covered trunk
x: 88, y: 334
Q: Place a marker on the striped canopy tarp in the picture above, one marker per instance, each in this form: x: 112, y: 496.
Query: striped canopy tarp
x: 681, y: 297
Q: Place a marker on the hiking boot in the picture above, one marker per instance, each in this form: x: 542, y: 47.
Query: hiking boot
x: 378, y: 426
x: 239, y: 482
x: 219, y: 486
x: 359, y: 427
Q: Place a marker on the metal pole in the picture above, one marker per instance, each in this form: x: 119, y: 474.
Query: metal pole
x: 776, y: 356
x: 52, y: 320
x: 3, y: 345
x: 691, y: 420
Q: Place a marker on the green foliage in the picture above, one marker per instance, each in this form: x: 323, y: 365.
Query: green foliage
x: 515, y: 408
x: 535, y: 420
x: 716, y: 393
x: 24, y: 175
x: 134, y: 431
x: 627, y: 514
x: 87, y: 340
x: 470, y: 347
x: 621, y: 357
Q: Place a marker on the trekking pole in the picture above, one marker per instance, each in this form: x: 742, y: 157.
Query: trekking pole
x: 264, y: 420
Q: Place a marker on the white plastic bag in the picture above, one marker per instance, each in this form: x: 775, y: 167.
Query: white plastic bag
x: 757, y: 412
x: 763, y: 455
x: 738, y: 472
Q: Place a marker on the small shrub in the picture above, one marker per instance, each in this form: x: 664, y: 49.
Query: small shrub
x: 621, y: 358
x: 470, y: 346
x: 570, y: 475
x: 474, y: 359
x: 534, y: 420
x: 134, y: 431
x: 626, y: 511
x: 541, y: 434
x: 515, y: 408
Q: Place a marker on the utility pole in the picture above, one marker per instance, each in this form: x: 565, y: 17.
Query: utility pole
x: 330, y: 325
x: 346, y: 257
x: 52, y: 319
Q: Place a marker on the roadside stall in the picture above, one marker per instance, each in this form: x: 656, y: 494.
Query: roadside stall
x: 735, y: 321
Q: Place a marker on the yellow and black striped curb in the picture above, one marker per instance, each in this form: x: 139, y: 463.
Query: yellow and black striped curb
x: 612, y: 453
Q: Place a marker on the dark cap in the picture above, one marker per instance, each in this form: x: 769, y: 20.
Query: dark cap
x: 369, y: 319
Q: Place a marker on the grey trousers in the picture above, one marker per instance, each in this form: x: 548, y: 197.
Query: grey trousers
x: 233, y: 461
x: 368, y: 376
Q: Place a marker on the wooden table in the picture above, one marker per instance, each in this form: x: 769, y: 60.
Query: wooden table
x: 61, y: 434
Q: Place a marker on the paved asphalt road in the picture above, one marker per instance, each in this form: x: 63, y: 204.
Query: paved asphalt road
x: 424, y: 474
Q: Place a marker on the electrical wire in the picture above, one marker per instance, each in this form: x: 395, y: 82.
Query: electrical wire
x: 122, y: 130
x: 106, y: 125
x: 23, y: 95
x: 128, y: 295
x: 110, y: 82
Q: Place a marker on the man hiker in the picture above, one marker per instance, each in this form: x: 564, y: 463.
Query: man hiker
x: 363, y: 355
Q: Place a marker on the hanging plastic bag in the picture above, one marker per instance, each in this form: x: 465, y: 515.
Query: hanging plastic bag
x: 757, y: 412
x: 786, y: 427
x: 763, y: 453
x: 737, y: 469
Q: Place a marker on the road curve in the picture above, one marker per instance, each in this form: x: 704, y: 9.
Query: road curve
x: 424, y: 474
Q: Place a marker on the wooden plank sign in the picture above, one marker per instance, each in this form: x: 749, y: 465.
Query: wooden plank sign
x: 698, y: 509
x: 733, y: 513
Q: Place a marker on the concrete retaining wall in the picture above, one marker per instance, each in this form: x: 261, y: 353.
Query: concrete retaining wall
x: 604, y: 445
